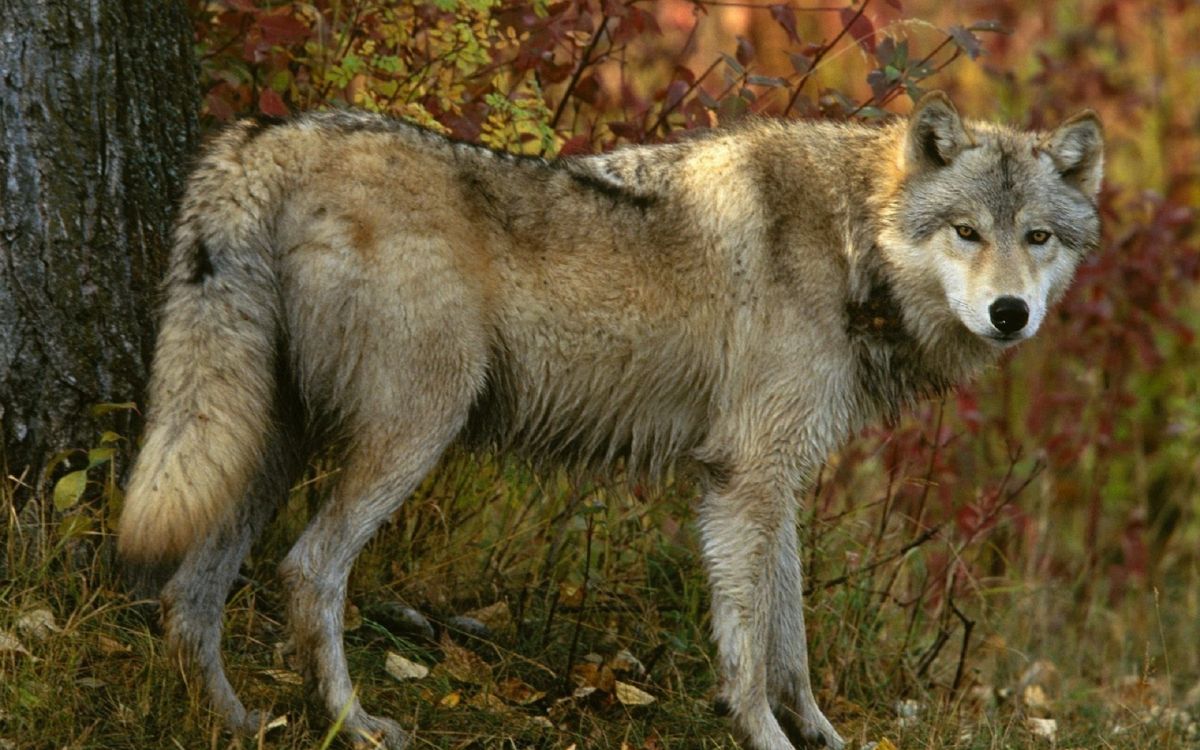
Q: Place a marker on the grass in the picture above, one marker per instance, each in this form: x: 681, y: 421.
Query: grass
x: 586, y: 570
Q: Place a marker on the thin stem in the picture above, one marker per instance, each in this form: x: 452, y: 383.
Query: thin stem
x: 824, y: 50
x: 584, y: 63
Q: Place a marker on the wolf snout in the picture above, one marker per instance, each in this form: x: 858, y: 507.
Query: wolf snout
x: 1009, y: 314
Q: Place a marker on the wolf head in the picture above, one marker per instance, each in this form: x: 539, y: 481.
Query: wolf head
x: 992, y: 220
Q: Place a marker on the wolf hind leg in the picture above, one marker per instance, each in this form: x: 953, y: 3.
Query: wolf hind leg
x: 194, y: 597
x: 379, y: 472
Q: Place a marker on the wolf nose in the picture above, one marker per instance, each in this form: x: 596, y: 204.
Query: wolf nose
x: 1009, y: 314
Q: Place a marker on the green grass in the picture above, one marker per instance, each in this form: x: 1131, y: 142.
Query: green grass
x: 585, y: 573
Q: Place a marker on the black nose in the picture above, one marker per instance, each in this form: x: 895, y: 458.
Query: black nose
x: 1009, y: 314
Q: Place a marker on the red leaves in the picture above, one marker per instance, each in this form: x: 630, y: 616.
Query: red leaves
x: 859, y: 27
x: 268, y: 29
x: 745, y: 51
x: 280, y: 27
x: 785, y: 16
x: 966, y: 41
x: 271, y: 103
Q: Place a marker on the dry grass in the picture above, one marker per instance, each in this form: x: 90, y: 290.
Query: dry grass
x: 585, y: 573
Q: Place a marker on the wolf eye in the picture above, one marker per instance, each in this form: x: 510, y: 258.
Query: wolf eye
x: 1038, y: 237
x: 967, y: 232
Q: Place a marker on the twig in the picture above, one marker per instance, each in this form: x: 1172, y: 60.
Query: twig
x: 760, y: 6
x: 817, y: 58
x: 587, y: 567
x: 933, y: 456
x: 550, y: 617
x: 584, y: 62
x: 968, y: 626
x: 930, y: 533
x: 932, y: 652
x: 662, y: 116
x: 894, y: 89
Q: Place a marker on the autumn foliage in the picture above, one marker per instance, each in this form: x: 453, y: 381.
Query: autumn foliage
x: 1023, y: 551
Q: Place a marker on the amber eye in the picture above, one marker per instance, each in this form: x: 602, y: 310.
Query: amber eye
x: 1038, y: 237
x: 967, y: 232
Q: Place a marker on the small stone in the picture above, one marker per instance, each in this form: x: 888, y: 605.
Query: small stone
x: 469, y: 626
x: 400, y: 620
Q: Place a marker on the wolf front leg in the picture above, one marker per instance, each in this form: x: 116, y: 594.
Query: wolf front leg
x: 787, y: 669
x: 748, y: 530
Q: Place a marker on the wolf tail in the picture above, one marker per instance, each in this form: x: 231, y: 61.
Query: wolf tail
x: 213, y: 380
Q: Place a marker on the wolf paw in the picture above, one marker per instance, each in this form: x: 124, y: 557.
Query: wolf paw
x: 376, y: 733
x: 814, y: 733
x: 240, y: 721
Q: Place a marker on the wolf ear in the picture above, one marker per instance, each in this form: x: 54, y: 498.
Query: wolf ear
x: 1077, y: 148
x: 935, y: 133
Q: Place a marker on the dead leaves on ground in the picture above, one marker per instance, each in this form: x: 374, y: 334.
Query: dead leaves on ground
x: 595, y: 683
x: 1136, y: 703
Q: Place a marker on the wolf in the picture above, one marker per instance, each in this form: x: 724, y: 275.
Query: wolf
x: 735, y: 305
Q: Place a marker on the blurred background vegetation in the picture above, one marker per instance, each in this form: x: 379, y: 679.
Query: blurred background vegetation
x: 1017, y: 564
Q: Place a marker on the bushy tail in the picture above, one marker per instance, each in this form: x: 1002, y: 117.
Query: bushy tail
x: 213, y: 381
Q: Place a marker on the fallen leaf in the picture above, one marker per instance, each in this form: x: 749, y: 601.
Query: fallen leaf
x: 488, y: 701
x: 1034, y: 698
x: 1041, y: 672
x: 984, y: 696
x: 38, y: 624
x: 284, y: 676
x: 496, y: 616
x: 279, y: 722
x: 450, y: 700
x: 1192, y: 697
x: 403, y: 669
x: 884, y: 744
x: 351, y: 618
x: 624, y: 661
x: 11, y: 644
x: 463, y: 665
x: 593, y: 675
x: 629, y: 695
x: 111, y: 646
x: 515, y: 691
x: 570, y: 595
x: 1044, y: 728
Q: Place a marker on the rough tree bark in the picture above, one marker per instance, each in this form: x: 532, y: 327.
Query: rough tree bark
x: 97, y: 119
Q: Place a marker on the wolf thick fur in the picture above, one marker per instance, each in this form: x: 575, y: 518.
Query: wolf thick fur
x: 743, y: 301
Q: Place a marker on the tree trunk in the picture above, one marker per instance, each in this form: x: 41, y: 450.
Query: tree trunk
x: 97, y: 118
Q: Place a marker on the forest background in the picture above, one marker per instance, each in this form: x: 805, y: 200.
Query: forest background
x: 1015, y: 565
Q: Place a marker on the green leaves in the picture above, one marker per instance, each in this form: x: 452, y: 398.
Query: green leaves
x: 69, y: 488
x: 89, y: 496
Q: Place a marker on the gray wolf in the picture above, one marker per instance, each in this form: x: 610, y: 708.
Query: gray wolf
x: 736, y: 304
